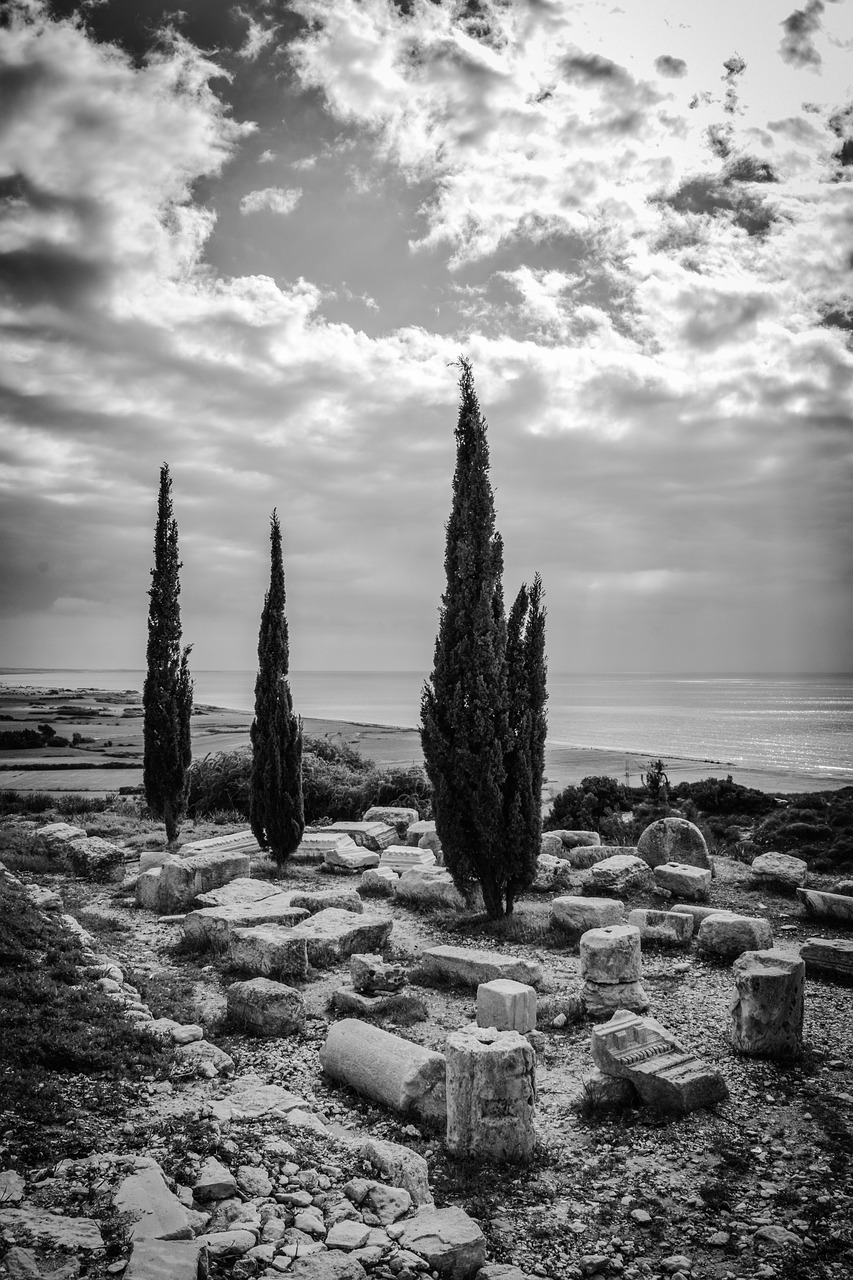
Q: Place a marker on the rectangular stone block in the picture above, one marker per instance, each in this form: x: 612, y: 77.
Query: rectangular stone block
x: 269, y: 951
x: 506, y: 1005
x: 314, y: 845
x: 667, y: 928
x: 683, y: 881
x: 465, y: 967
x: 402, y: 857
x: 331, y: 935
x: 148, y: 889
x: 236, y: 842
x: 829, y: 957
x: 212, y: 926
x: 183, y: 879
x: 370, y: 835
x: 238, y: 892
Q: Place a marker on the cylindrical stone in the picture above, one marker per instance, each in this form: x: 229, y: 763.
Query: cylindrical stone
x: 491, y: 1095
x: 402, y: 1075
x: 767, y: 1009
x: 506, y: 1005
x: 612, y: 954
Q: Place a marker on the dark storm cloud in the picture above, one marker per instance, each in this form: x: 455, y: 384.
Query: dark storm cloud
x: 591, y: 67
x: 671, y: 67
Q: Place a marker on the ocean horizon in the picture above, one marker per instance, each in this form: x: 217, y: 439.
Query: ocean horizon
x: 797, y: 721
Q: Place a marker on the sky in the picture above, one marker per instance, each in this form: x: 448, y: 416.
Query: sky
x: 251, y: 241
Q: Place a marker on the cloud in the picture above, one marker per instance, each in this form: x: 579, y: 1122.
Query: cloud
x: 673, y: 68
x: 258, y: 37
x: 266, y: 157
x: 797, y: 47
x: 272, y: 199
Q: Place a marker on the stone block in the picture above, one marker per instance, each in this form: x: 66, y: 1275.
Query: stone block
x: 449, y: 1241
x: 379, y: 881
x: 148, y: 889
x: 698, y: 913
x: 332, y: 935
x: 95, y: 859
x: 491, y: 1095
x: 370, y: 973
x: 330, y: 1265
x: 214, y: 1181
x: 419, y: 829
x: 665, y: 928
x: 55, y: 837
x: 315, y: 900
x: 314, y: 845
x: 53, y: 1230
x: 779, y: 870
x: 601, y: 999
x: 429, y: 886
x: 767, y: 1010
x: 464, y: 967
x: 611, y: 954
x: 621, y: 875
x: 574, y: 915
x: 725, y: 936
x: 236, y: 842
x: 829, y: 958
x: 156, y: 1213
x: 155, y: 1259
x: 402, y: 857
x: 269, y: 951
x: 578, y: 839
x: 674, y: 840
x: 556, y: 874
x: 399, y: 1165
x: 654, y: 1060
x: 354, y: 1004
x: 401, y: 1075
x: 375, y: 836
x: 238, y: 893
x: 355, y: 859
x: 683, y: 881
x: 213, y: 926
x: 506, y: 1005
x: 183, y: 879
x: 827, y: 906
x: 395, y: 816
x: 266, y: 1008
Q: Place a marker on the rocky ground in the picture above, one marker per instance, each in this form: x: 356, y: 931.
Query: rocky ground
x: 760, y: 1186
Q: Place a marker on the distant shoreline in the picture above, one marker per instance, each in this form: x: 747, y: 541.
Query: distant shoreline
x: 97, y: 713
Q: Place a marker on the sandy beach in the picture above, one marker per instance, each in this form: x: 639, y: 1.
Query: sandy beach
x: 112, y: 758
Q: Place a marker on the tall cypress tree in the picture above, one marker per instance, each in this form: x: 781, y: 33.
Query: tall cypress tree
x: 167, y: 697
x: 276, y: 808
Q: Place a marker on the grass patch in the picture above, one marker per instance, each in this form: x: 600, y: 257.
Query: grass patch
x: 102, y: 922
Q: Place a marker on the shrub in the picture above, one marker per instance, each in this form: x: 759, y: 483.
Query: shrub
x: 20, y: 739
x: 720, y: 796
x: 582, y: 808
x: 25, y: 801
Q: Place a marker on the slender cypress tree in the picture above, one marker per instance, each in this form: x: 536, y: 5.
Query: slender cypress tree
x: 167, y: 697
x: 276, y: 809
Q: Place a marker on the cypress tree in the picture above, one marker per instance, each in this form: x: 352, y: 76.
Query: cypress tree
x: 167, y: 696
x: 276, y: 809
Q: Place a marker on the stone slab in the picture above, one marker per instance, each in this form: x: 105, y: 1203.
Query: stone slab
x: 726, y: 935
x: 430, y: 886
x: 332, y: 935
x: 53, y: 1229
x: 574, y: 915
x: 779, y: 870
x: 375, y: 836
x: 355, y: 1004
x: 665, y: 928
x: 827, y: 906
x: 158, y: 1259
x: 156, y: 1213
x: 620, y: 875
x: 315, y: 844
x: 683, y: 881
x: 239, y: 892
x: 447, y: 1239
x: 829, y: 957
x: 213, y: 926
x: 183, y: 879
x: 402, y: 857
x: 236, y: 842
x: 269, y: 951
x: 464, y: 967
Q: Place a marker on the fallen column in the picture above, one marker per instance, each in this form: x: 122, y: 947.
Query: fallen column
x: 401, y: 1075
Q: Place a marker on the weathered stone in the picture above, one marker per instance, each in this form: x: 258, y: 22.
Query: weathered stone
x: 402, y: 857
x: 11, y: 1187
x: 656, y: 1063
x: 429, y: 885
x: 601, y: 999
x: 269, y: 951
x: 827, y: 906
x: 357, y: 859
x: 147, y: 890
x: 402, y: 1167
x: 666, y: 928
x: 583, y: 856
x: 214, y: 1181
x: 387, y: 1203
x: 491, y: 1095
x: 347, y: 1235
x: 203, y: 1059
x: 266, y: 1008
x: 575, y: 915
x: 829, y: 957
x: 213, y: 926
x: 331, y: 935
x: 95, y: 859
x: 156, y: 1259
x: 183, y: 879
x: 52, y: 1229
x: 253, y: 1180
x: 314, y: 845
x: 228, y: 1244
x: 385, y: 1004
x: 555, y: 874
x: 249, y: 1098
x: 683, y: 881
x: 236, y: 842
x: 779, y: 870
x: 396, y: 1072
x: 419, y: 829
x: 448, y: 1239
x: 156, y: 1213
x: 370, y: 974
x: 728, y: 936
x: 506, y: 1005
x: 392, y: 815
x: 175, y: 1032
x: 467, y: 968
x: 600, y: 1090
x: 55, y: 837
x: 429, y: 840
x: 621, y: 875
x: 611, y: 955
x: 314, y: 900
x: 578, y: 839
x: 330, y: 1265
x: 674, y: 840
x: 551, y: 845
x: 379, y: 881
x: 238, y: 893
x: 375, y: 836
x: 767, y: 1010
x: 697, y: 913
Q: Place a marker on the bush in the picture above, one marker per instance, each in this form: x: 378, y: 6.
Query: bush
x: 583, y: 808
x: 25, y: 801
x: 20, y: 739
x: 717, y: 795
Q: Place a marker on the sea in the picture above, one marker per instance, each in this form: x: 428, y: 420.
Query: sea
x: 794, y: 722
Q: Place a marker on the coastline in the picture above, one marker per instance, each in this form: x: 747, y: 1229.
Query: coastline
x: 114, y: 759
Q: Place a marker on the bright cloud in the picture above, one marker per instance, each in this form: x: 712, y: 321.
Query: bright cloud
x: 272, y: 199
